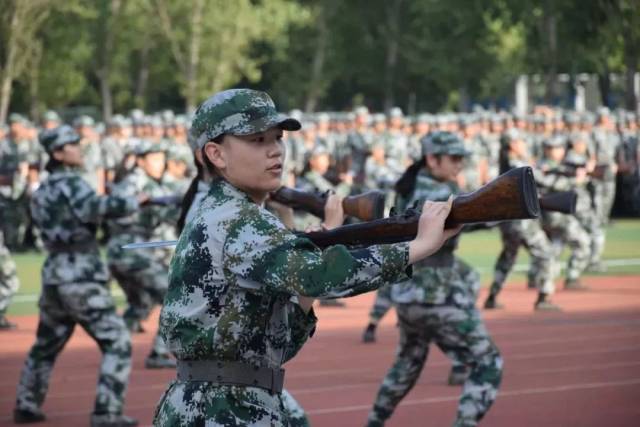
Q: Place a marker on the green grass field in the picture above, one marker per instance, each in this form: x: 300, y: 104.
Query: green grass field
x: 480, y: 249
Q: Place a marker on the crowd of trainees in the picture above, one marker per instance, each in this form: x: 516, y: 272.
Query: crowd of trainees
x: 263, y: 274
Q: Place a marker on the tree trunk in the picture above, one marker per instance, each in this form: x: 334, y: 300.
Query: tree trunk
x: 317, y: 66
x: 8, y: 69
x: 104, y: 70
x: 34, y: 83
x: 391, y: 60
x: 143, y: 75
x: 194, y: 55
x: 550, y: 26
x: 604, y: 83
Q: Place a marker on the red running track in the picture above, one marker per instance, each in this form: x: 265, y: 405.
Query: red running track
x: 579, y: 367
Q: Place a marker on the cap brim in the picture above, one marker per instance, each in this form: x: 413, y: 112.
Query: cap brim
x: 264, y: 123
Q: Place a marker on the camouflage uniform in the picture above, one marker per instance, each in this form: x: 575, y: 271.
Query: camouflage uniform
x: 142, y: 275
x: 606, y: 147
x: 562, y: 228
x: 438, y: 304
x: 9, y: 283
x: 14, y: 202
x: 527, y: 233
x: 9, y: 192
x: 74, y: 279
x: 234, y: 282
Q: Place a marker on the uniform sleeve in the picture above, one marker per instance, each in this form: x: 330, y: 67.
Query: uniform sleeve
x: 259, y: 250
x: 91, y: 208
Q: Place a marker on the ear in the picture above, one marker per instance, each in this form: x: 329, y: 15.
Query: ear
x: 58, y: 155
x: 216, y: 155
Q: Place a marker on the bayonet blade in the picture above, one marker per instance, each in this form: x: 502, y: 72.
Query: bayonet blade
x: 149, y: 245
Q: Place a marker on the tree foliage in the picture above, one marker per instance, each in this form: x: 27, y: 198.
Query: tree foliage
x: 115, y: 55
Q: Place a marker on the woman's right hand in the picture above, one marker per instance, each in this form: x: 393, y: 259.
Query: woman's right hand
x: 431, y: 233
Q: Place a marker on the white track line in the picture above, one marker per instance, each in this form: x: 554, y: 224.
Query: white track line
x: 623, y: 262
x: 501, y: 394
x: 426, y: 401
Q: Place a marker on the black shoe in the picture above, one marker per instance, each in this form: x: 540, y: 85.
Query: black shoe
x: 112, y: 420
x: 159, y: 361
x: 23, y: 416
x: 543, y: 304
x: 5, y: 325
x: 492, y: 304
x: 331, y: 303
x: 574, y: 285
x: 369, y: 334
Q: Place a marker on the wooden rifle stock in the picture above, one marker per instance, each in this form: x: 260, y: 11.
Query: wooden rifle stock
x: 562, y: 201
x: 366, y: 207
x: 510, y: 196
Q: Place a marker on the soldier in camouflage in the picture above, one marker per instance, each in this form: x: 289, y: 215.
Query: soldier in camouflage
x: 13, y: 182
x: 14, y: 197
x: 74, y: 280
x: 142, y: 275
x: 438, y: 304
x: 527, y: 233
x: 563, y: 228
x: 241, y: 284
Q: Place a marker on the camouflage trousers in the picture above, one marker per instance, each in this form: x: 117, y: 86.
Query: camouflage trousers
x: 460, y: 334
x: 605, y: 192
x: 62, y: 307
x: 144, y: 288
x: 14, y: 220
x: 9, y: 282
x: 200, y: 403
x: 530, y: 235
x: 566, y: 230
x: 381, y: 305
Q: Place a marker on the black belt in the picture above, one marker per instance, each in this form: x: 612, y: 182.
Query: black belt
x: 56, y: 248
x: 231, y: 373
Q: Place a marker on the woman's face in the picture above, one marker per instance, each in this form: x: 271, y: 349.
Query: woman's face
x: 445, y: 167
x: 251, y: 163
x: 70, y: 155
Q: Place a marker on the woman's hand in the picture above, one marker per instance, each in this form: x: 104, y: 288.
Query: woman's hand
x: 333, y: 212
x: 431, y: 233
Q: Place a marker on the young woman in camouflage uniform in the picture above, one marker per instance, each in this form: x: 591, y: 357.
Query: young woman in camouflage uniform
x: 74, y: 279
x: 241, y: 285
x: 438, y: 303
x: 142, y: 275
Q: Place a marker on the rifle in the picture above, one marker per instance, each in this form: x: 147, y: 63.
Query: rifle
x: 510, y: 196
x: 562, y: 201
x: 569, y: 170
x: 366, y: 207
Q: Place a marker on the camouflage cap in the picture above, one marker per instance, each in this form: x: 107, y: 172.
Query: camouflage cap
x: 237, y: 112
x: 395, y: 112
x: 84, y: 120
x: 51, y: 116
x: 443, y: 143
x: 555, y: 141
x: 145, y: 146
x: 16, y: 118
x: 54, y: 139
x: 179, y: 153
